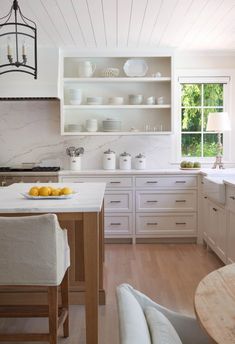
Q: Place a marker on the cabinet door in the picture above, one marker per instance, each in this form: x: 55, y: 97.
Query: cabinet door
x: 205, y: 214
x: 217, y: 230
x: 231, y: 238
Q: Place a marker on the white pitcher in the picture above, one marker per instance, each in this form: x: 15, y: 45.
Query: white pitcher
x: 86, y: 69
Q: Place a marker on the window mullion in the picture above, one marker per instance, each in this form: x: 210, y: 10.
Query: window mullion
x: 202, y: 120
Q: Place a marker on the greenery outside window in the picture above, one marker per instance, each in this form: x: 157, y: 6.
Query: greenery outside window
x: 197, y: 101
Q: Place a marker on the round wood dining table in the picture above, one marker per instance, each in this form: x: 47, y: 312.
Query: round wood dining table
x: 214, y: 304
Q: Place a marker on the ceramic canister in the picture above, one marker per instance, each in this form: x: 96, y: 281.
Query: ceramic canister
x: 75, y: 163
x: 125, y: 161
x: 109, y: 160
x: 140, y: 162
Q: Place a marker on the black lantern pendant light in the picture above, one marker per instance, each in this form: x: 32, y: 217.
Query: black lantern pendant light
x: 15, y: 31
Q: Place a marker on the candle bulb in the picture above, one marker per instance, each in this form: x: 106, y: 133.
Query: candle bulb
x: 23, y: 49
x: 9, y: 48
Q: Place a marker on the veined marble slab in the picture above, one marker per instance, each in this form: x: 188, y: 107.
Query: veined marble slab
x: 89, y: 199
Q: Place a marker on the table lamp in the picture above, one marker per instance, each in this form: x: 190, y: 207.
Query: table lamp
x: 218, y: 122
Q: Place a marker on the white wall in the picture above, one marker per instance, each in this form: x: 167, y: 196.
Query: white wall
x: 29, y: 131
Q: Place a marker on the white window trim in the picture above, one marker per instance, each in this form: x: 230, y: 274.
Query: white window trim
x: 207, y: 75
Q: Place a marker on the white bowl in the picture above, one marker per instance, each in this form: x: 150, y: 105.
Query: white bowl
x: 94, y: 100
x: 136, y: 99
x: 116, y: 100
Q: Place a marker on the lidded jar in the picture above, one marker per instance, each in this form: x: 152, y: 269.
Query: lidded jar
x: 109, y: 160
x: 140, y: 162
x: 125, y: 161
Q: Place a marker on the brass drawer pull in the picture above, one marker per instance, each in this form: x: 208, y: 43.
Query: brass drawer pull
x: 180, y: 223
x: 153, y: 201
x: 215, y: 209
x: 232, y: 197
x: 115, y: 201
x: 152, y: 223
x: 115, y: 224
x: 180, y: 200
x: 180, y: 181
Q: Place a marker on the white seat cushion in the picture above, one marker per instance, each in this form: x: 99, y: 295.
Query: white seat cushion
x: 133, y: 326
x: 161, y: 330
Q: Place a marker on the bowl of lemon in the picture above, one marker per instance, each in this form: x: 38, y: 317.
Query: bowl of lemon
x: 49, y: 192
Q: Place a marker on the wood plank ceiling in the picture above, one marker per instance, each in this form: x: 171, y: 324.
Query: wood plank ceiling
x: 135, y: 24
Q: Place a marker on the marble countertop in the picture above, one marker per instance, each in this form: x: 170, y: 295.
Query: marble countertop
x: 229, y: 181
x: 127, y: 172
x: 89, y: 199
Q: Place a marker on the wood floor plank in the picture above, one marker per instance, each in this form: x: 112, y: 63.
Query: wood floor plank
x: 168, y: 273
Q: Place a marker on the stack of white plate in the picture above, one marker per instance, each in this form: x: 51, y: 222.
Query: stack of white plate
x: 116, y: 100
x: 111, y: 124
x: 91, y: 125
x: 75, y: 95
x: 74, y: 127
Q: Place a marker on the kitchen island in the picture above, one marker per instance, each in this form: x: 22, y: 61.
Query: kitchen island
x: 82, y: 215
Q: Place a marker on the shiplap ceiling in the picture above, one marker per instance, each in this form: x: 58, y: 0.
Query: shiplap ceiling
x: 136, y: 24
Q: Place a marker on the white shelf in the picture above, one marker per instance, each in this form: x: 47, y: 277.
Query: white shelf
x: 144, y: 106
x: 91, y: 80
x: 116, y: 133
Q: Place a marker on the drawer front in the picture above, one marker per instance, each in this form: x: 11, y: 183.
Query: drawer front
x: 230, y: 198
x: 167, y: 201
x: 118, y: 201
x: 169, y: 224
x: 120, y: 224
x: 111, y: 182
x: 171, y: 182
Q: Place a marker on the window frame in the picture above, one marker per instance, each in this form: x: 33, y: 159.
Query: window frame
x: 201, y: 76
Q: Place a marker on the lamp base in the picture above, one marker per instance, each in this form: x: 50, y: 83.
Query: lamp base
x: 218, y: 162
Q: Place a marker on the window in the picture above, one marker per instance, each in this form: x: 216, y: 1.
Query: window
x: 198, y: 99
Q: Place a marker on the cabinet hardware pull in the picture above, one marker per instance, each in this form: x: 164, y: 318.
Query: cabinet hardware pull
x: 180, y: 223
x: 151, y: 182
x: 115, y: 223
x: 115, y: 201
x: 205, y: 197
x: 232, y: 197
x: 151, y: 201
x: 180, y: 200
x: 4, y: 183
x: 215, y: 209
x: 115, y: 182
x: 152, y: 223
x: 180, y: 182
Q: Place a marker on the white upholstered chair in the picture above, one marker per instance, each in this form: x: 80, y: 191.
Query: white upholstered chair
x: 142, y: 321
x: 34, y: 251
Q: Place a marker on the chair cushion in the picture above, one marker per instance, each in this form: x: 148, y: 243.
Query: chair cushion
x: 133, y: 326
x: 161, y: 330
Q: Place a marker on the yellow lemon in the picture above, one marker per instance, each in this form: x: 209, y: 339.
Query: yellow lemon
x: 51, y: 189
x: 55, y: 192
x: 33, y: 191
x: 44, y: 191
x: 66, y: 191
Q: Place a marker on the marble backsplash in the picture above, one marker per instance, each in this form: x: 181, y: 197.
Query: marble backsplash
x: 30, y: 132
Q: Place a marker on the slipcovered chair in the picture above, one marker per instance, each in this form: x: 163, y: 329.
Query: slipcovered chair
x: 34, y: 251
x: 142, y: 321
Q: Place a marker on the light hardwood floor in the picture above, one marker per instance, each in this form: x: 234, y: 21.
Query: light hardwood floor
x: 168, y: 273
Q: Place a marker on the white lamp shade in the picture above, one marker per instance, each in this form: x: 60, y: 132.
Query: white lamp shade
x: 218, y: 121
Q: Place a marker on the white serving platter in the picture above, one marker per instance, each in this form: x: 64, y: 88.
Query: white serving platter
x: 27, y: 196
x: 135, y: 68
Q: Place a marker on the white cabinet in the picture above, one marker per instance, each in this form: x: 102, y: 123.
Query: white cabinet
x: 230, y: 202
x: 146, y: 206
x: 216, y: 229
x: 136, y: 119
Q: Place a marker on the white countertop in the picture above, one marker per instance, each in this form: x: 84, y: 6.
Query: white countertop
x: 89, y: 199
x: 127, y: 172
x: 229, y: 181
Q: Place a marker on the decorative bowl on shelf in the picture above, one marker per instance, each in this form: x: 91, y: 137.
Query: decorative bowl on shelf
x: 94, y: 100
x: 135, y: 68
x: 110, y: 72
x: 116, y: 100
x: 136, y: 99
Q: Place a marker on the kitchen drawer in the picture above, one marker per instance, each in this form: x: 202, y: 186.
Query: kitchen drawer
x: 230, y: 198
x: 118, y: 201
x: 166, y: 201
x: 111, y: 182
x: 165, y: 182
x: 118, y: 224
x: 166, y: 224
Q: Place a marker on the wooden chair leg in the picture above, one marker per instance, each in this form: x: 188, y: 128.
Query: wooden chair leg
x: 53, y: 313
x: 65, y: 301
